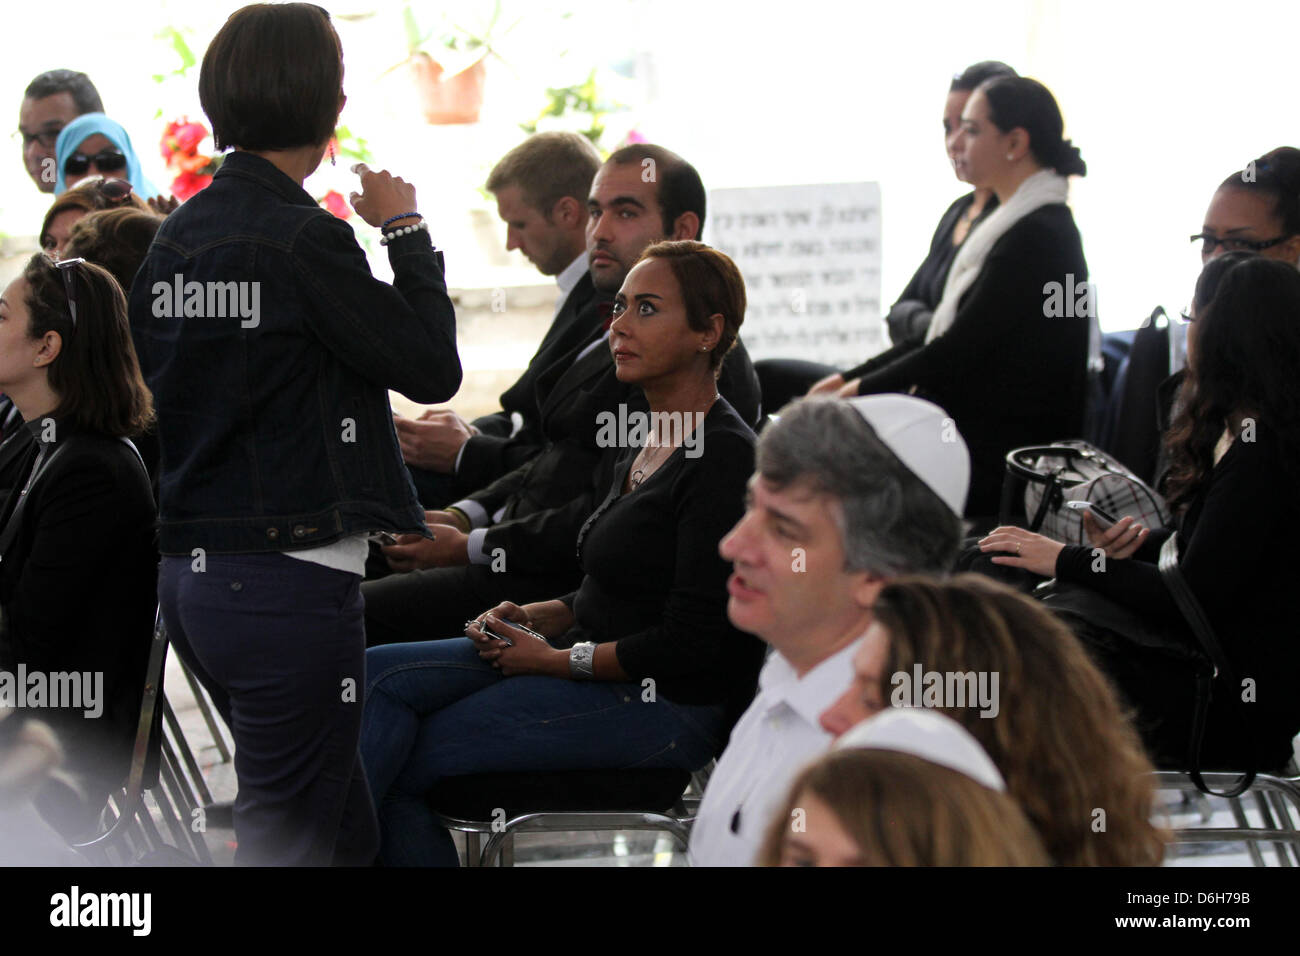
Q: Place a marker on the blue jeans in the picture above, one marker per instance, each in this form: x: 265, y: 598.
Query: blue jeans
x: 435, y: 709
x: 280, y: 645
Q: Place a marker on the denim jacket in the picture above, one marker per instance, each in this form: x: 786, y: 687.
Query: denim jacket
x: 271, y: 375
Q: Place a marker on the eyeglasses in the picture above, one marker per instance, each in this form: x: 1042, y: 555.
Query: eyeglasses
x: 70, y: 284
x: 1210, y: 242
x: 108, y: 161
x: 48, y: 138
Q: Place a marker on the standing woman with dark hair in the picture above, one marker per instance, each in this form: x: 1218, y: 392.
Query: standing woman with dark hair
x: 1004, y: 355
x: 908, y: 319
x: 79, y: 571
x: 270, y: 348
x: 1256, y: 209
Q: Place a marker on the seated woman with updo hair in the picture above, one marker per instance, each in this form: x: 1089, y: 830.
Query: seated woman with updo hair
x: 1007, y: 364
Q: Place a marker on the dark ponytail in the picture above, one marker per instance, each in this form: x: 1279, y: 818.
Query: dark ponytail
x: 1017, y: 102
x: 1276, y: 175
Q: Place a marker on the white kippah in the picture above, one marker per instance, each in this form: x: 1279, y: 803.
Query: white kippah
x: 925, y: 439
x: 929, y: 735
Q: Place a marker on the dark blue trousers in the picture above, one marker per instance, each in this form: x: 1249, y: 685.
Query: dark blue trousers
x: 280, y: 645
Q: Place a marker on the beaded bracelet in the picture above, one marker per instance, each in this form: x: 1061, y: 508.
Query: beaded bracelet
x: 400, y: 215
x: 387, y: 237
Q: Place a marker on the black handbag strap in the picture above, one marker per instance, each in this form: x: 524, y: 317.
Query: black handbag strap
x: 43, y: 459
x: 1194, y: 614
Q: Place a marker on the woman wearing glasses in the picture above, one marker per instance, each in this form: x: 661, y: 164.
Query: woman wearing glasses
x: 279, y: 456
x: 1256, y: 209
x: 1234, y: 452
x: 78, y: 570
x: 94, y: 145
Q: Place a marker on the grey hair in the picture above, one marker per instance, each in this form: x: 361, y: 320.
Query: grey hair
x: 890, y: 521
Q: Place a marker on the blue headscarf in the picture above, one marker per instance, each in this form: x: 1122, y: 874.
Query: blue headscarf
x: 87, y: 125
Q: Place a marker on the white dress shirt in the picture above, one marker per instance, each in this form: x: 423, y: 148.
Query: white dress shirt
x: 569, y: 278
x: 774, y: 739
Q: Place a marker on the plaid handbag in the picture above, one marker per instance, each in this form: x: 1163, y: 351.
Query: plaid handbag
x: 1078, y: 471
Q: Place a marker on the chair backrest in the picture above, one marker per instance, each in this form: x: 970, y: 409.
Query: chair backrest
x: 1133, y: 432
x: 146, y: 753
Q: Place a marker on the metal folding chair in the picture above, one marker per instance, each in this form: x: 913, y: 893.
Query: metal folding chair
x: 129, y: 831
x: 1274, y: 796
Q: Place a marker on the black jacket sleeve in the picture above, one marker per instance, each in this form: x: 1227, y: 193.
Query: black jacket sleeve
x: 401, y: 336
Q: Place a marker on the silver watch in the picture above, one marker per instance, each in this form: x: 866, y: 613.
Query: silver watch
x: 580, y: 657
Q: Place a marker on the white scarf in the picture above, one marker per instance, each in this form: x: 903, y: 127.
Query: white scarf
x: 1041, y: 189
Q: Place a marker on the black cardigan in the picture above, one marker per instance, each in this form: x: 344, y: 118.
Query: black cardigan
x: 654, y: 579
x: 78, y: 586
x: 909, y: 318
x: 1235, y: 552
x: 1007, y: 373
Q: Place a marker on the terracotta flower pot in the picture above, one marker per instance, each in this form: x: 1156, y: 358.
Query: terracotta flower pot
x: 448, y: 99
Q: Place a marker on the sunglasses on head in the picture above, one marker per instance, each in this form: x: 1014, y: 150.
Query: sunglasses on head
x: 108, y: 161
x: 65, y: 267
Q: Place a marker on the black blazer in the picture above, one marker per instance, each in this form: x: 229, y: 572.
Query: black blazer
x: 494, y: 452
x: 1007, y: 373
x: 78, y: 587
x: 547, y: 499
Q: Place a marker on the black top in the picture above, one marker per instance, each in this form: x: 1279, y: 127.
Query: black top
x: 909, y: 318
x: 1007, y: 372
x: 78, y: 586
x: 654, y: 580
x: 1236, y: 556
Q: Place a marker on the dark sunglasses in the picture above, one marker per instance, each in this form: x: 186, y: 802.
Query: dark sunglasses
x: 70, y: 285
x: 1209, y: 243
x: 108, y: 161
x: 112, y: 190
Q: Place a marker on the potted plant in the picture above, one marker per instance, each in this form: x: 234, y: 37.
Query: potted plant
x: 450, y: 86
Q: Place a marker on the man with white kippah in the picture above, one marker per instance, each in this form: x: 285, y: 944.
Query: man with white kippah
x: 848, y: 494
x: 929, y: 735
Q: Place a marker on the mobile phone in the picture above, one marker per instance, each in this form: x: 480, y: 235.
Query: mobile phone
x: 500, y: 633
x: 1103, y: 518
x: 383, y: 538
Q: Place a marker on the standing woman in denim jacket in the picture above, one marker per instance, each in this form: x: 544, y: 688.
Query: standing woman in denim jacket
x: 270, y: 349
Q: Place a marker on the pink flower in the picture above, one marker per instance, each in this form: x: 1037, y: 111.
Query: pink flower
x: 183, y: 137
x: 187, y: 184
x: 335, y: 203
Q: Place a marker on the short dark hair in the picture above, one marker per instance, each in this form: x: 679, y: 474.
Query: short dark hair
x: 1017, y: 102
x: 547, y: 167
x: 680, y: 187
x: 272, y: 77
x: 1276, y: 175
x: 891, y: 521
x: 53, y: 82
x: 96, y: 374
x: 117, y: 239
x: 711, y: 284
x: 968, y: 79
